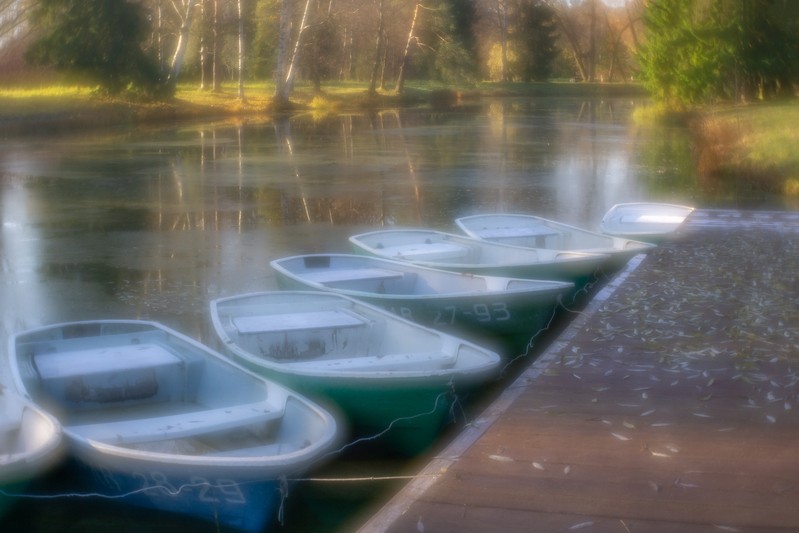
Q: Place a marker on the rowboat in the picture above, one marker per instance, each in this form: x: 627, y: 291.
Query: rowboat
x: 30, y: 444
x: 536, y: 232
x: 646, y: 221
x: 157, y: 420
x: 447, y: 251
x: 468, y: 306
x: 390, y: 377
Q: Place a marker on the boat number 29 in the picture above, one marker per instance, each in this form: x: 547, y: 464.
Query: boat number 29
x: 493, y: 312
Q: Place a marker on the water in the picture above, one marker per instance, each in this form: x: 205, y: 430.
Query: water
x: 152, y: 223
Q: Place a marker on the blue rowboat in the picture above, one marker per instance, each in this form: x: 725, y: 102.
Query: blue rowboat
x: 156, y: 419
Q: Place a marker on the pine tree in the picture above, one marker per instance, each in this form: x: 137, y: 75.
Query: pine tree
x: 99, y: 40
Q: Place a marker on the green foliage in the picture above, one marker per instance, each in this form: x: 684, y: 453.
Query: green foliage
x: 531, y: 49
x: 99, y: 40
x: 495, y: 62
x: 699, y: 51
x: 452, y: 32
x: 537, y: 35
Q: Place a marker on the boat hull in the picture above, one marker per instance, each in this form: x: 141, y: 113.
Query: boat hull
x: 233, y: 499
x: 401, y: 417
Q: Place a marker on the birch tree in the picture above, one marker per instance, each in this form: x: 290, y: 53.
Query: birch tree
x: 403, y: 63
x: 185, y: 12
x: 281, y: 98
x: 379, y: 55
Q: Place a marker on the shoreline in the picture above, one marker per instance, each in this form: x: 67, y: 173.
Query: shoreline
x: 751, y: 144
x: 81, y: 110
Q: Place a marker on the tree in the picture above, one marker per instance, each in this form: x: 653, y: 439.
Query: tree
x: 537, y: 35
x: 767, y: 48
x: 695, y: 52
x: 452, y: 51
x: 404, y: 63
x: 185, y: 11
x: 379, y: 46
x: 98, y: 39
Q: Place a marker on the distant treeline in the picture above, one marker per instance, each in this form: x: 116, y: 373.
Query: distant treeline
x: 685, y: 51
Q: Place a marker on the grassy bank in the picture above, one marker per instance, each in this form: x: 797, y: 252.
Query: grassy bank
x: 69, y: 107
x: 756, y: 144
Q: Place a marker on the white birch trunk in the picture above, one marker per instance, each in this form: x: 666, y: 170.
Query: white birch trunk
x: 183, y: 38
x: 401, y: 78
x: 241, y: 52
x: 281, y: 91
x: 295, y: 56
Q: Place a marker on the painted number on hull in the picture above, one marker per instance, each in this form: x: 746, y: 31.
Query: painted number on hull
x: 495, y: 312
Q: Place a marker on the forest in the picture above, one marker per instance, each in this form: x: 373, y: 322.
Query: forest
x: 684, y: 51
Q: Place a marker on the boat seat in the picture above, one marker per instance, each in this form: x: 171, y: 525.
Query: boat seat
x: 57, y: 365
x: 351, y: 274
x: 387, y: 362
x: 96, y: 376
x: 434, y: 251
x: 177, y: 426
x: 336, y: 318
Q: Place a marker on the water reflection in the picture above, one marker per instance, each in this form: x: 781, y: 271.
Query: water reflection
x: 154, y: 223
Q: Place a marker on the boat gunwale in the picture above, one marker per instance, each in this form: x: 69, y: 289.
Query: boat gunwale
x: 546, y: 289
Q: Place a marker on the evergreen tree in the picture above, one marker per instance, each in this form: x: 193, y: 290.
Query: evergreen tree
x: 96, y: 39
x: 456, y: 48
x: 699, y: 51
x: 537, y: 33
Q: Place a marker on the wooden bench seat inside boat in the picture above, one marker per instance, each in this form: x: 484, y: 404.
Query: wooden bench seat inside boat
x: 336, y: 318
x: 175, y: 426
x: 352, y: 274
x: 433, y: 251
x: 93, y: 377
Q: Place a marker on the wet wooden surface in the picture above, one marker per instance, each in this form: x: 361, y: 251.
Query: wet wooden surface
x: 670, y: 404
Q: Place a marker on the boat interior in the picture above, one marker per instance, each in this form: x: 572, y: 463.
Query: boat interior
x: 138, y: 388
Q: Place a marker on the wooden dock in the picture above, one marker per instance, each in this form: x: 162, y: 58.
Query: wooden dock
x: 670, y: 404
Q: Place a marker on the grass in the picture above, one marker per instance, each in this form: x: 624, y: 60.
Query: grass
x: 757, y: 142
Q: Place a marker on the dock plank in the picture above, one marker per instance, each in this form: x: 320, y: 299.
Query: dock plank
x: 670, y: 404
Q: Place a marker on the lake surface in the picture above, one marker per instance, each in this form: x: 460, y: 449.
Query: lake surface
x: 153, y: 222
